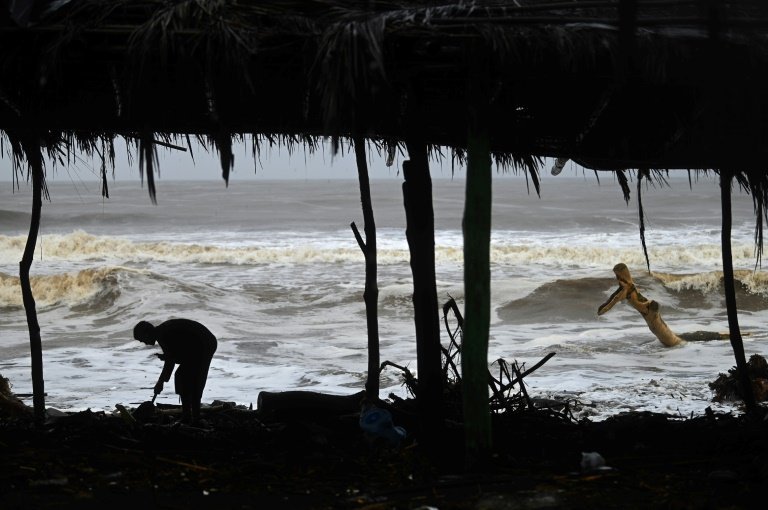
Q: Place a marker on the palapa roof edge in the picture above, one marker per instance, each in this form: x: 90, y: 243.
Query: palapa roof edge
x: 613, y: 85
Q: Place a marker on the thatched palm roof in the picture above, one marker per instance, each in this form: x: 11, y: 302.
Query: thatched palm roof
x: 612, y: 85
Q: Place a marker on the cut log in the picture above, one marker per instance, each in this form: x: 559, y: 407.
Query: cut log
x: 649, y: 309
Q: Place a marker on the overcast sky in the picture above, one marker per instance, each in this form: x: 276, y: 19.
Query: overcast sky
x: 274, y: 163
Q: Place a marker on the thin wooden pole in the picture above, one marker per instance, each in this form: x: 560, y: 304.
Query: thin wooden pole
x: 371, y: 293
x: 34, y: 157
x: 737, y: 344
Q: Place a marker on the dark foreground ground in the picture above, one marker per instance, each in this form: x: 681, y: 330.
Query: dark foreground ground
x: 246, y: 459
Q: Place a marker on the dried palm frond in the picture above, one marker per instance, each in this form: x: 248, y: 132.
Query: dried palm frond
x: 756, y: 184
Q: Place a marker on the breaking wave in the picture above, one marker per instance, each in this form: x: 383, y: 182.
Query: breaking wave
x: 753, y: 282
x: 81, y: 246
x: 89, y: 287
x: 606, y: 255
x: 577, y: 300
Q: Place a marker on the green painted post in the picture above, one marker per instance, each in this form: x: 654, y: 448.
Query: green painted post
x: 477, y: 293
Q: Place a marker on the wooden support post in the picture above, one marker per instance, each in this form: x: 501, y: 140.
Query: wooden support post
x: 420, y: 232
x: 737, y: 344
x: 35, y: 159
x: 371, y: 293
x: 476, y: 227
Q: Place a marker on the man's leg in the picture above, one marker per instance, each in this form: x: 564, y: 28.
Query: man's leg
x: 187, y: 415
x: 199, y: 385
x: 195, y: 406
x: 181, y: 380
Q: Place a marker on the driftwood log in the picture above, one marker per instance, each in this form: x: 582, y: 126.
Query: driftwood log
x: 649, y: 309
x: 303, y: 402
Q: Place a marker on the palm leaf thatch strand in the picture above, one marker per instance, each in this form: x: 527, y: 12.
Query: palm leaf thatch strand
x: 103, y: 172
x: 640, y: 174
x: 147, y: 159
x: 350, y: 62
x: 624, y: 184
x: 224, y: 145
x: 756, y: 184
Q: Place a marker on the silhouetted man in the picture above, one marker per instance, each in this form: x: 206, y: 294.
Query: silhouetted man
x: 190, y: 345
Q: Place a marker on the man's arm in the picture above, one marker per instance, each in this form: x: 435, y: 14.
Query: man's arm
x: 165, y: 375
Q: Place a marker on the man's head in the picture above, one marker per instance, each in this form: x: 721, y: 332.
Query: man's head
x: 144, y: 332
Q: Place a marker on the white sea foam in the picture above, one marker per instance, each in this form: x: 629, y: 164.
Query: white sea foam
x: 81, y: 246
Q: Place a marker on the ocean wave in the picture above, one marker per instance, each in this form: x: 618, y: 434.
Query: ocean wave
x: 577, y: 300
x: 88, y: 287
x: 82, y: 246
x: 13, y: 217
x: 559, y: 301
x: 700, y: 255
x: 753, y: 282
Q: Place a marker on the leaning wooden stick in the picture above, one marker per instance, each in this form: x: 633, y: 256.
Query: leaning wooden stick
x: 648, y: 309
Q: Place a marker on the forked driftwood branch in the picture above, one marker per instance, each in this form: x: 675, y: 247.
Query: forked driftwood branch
x: 649, y: 309
x: 651, y: 312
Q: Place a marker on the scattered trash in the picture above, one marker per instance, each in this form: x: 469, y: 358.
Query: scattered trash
x: 377, y: 423
x: 593, y: 461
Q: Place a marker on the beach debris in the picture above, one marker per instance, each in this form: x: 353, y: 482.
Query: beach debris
x: 728, y: 388
x: 125, y: 414
x: 593, y: 461
x: 52, y: 414
x: 409, y: 380
x: 11, y: 406
x: 377, y: 424
x: 508, y: 389
x: 649, y: 309
x: 508, y: 392
x: 145, y: 412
